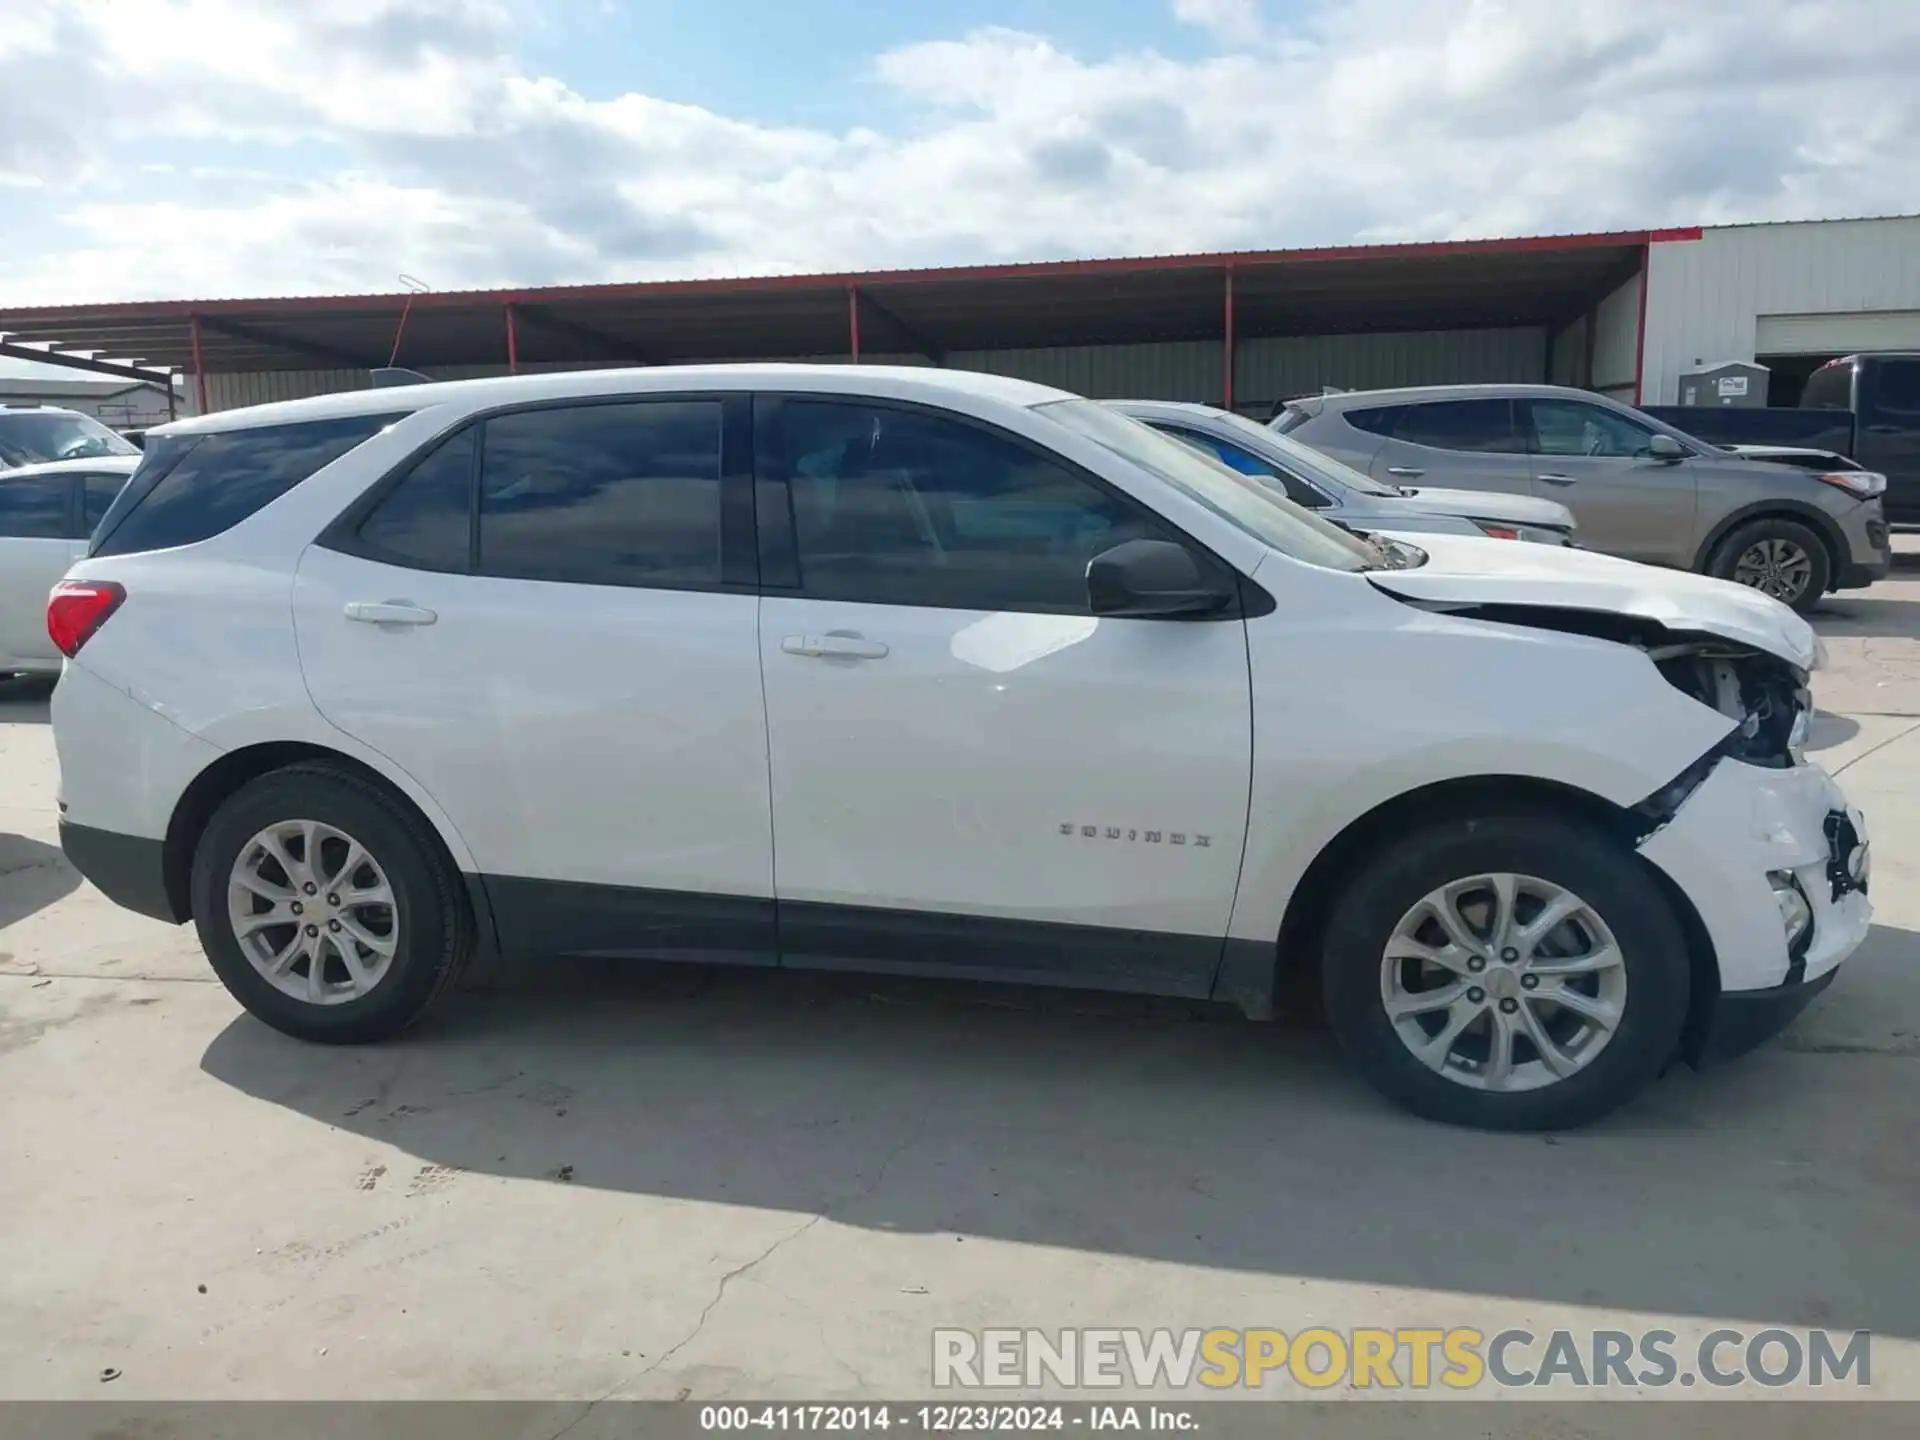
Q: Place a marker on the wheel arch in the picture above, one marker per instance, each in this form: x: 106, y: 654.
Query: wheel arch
x: 1797, y: 511
x: 1253, y: 976
x: 234, y: 769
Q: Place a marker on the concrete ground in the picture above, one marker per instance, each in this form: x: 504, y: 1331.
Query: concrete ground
x: 679, y: 1183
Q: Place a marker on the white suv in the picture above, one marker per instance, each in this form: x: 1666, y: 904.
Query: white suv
x: 942, y: 674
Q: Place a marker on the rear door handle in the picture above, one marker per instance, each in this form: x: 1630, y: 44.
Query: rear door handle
x: 1406, y: 472
x: 1556, y: 479
x: 389, y: 612
x: 835, y: 647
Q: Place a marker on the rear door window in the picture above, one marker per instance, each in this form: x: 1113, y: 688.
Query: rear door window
x: 35, y: 507
x: 99, y: 491
x: 426, y: 520
x: 1374, y: 419
x: 1483, y: 427
x: 613, y: 494
x: 191, y: 488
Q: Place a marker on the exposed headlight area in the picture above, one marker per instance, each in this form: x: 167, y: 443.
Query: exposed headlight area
x: 1766, y: 697
x: 1534, y: 534
x: 1796, y: 911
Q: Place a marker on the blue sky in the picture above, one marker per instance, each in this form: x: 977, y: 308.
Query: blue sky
x: 810, y: 64
x: 200, y: 148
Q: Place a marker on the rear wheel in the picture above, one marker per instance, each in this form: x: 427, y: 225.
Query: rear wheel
x: 1781, y: 558
x: 1515, y: 972
x: 326, y: 907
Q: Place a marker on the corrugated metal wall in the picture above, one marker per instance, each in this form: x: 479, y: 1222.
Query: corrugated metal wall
x: 1707, y: 295
x: 1266, y: 371
x: 1616, y: 341
x: 1271, y: 370
x: 1568, y: 363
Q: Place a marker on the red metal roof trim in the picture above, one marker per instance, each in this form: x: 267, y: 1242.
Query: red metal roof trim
x: 757, y: 284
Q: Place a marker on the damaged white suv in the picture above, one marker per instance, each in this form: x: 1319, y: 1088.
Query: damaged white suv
x: 943, y: 674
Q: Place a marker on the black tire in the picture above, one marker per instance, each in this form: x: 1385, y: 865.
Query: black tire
x: 436, y: 930
x: 1726, y: 555
x: 1564, y: 851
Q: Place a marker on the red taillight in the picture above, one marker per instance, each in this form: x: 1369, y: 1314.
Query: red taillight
x: 1500, y: 532
x: 77, y: 608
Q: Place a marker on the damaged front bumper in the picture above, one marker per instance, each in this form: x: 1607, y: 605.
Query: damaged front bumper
x: 1740, y: 846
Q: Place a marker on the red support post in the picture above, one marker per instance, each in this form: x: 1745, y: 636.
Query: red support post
x: 199, y: 364
x: 853, y: 323
x: 1226, y: 357
x: 513, y: 341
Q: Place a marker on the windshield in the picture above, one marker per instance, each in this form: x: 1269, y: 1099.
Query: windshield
x: 1304, y: 458
x: 32, y: 437
x: 1252, y: 505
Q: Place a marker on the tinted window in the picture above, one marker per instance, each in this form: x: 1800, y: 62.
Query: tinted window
x: 210, y: 483
x: 1899, y: 386
x: 30, y: 437
x: 1482, y: 426
x: 900, y: 508
x: 1375, y: 420
x: 1567, y: 427
x: 1234, y: 458
x: 1830, y: 387
x: 427, y: 518
x: 101, y: 491
x: 35, y: 506
x: 604, y: 494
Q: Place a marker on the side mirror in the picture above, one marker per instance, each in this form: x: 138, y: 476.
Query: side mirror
x: 1153, y: 579
x: 1666, y: 449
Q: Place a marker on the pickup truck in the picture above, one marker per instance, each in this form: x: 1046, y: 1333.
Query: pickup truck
x: 1866, y: 407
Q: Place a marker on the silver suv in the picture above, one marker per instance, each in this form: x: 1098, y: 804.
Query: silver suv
x: 1640, y: 489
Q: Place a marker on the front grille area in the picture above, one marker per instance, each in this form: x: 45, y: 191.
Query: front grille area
x: 1842, y: 840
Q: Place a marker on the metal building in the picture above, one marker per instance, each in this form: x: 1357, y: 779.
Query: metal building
x: 1626, y: 313
x: 1790, y: 296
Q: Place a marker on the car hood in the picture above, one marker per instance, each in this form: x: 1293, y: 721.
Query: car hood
x: 1489, y: 505
x: 1461, y: 572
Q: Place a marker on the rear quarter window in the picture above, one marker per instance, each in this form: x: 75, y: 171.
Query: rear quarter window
x: 1374, y: 419
x: 191, y: 488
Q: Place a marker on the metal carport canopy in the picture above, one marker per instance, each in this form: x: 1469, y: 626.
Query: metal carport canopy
x: 1350, y: 289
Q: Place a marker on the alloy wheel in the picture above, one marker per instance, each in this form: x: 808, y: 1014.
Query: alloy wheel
x: 313, y: 912
x: 1779, y: 568
x: 1503, y: 982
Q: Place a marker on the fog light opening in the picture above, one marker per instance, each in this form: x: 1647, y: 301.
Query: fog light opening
x: 1796, y: 913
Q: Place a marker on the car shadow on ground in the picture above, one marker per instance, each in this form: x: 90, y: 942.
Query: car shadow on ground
x: 1861, y: 612
x: 24, y: 699
x: 33, y: 875
x: 1165, y: 1132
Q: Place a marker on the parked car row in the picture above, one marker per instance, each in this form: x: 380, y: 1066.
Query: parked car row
x: 938, y: 673
x: 1640, y: 488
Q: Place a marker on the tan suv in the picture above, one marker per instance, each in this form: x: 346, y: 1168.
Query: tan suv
x: 1639, y: 488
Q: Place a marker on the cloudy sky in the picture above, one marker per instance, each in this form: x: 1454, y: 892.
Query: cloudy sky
x: 194, y: 148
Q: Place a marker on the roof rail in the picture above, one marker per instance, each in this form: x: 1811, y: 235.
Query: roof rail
x: 397, y: 375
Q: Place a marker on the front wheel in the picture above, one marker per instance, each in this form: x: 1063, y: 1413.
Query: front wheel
x: 1781, y: 558
x: 1513, y: 972
x: 327, y: 907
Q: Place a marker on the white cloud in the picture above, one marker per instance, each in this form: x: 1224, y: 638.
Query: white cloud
x: 1233, y: 20
x: 329, y: 144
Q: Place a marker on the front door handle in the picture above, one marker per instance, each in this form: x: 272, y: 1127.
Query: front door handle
x: 1556, y: 479
x: 835, y: 647
x: 1405, y: 472
x: 389, y: 612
